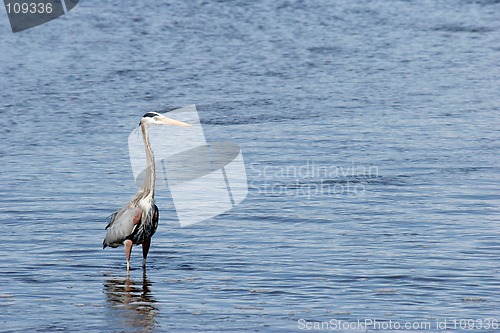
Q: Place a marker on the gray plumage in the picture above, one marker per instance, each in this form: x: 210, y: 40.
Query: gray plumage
x: 121, y: 225
x: 137, y: 221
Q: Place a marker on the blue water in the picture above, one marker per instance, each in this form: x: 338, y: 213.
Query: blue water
x: 370, y: 132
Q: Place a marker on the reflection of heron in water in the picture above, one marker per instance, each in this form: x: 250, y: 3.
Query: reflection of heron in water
x: 137, y: 221
x: 135, y: 297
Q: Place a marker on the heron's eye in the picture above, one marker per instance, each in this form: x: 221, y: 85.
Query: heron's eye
x: 150, y: 115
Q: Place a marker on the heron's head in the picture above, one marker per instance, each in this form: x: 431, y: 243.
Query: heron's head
x: 155, y: 118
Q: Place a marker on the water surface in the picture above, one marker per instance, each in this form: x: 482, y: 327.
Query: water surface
x: 402, y: 96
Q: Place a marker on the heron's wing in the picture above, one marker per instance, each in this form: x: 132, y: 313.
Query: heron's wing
x: 110, y: 219
x: 121, y: 225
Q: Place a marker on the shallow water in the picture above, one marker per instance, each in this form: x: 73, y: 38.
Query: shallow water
x: 370, y: 135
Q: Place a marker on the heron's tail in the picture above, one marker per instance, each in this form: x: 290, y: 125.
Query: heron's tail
x: 104, y: 245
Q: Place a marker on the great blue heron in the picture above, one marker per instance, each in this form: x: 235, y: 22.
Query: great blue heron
x: 136, y: 221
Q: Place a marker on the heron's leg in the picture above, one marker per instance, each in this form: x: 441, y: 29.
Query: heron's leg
x: 145, y: 250
x: 128, y: 251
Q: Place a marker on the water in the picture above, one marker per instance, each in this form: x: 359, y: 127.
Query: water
x: 371, y: 139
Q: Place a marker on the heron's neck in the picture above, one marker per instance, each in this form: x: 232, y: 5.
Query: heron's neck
x: 149, y: 179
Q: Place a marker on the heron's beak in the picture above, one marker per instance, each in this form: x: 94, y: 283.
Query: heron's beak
x: 171, y: 122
